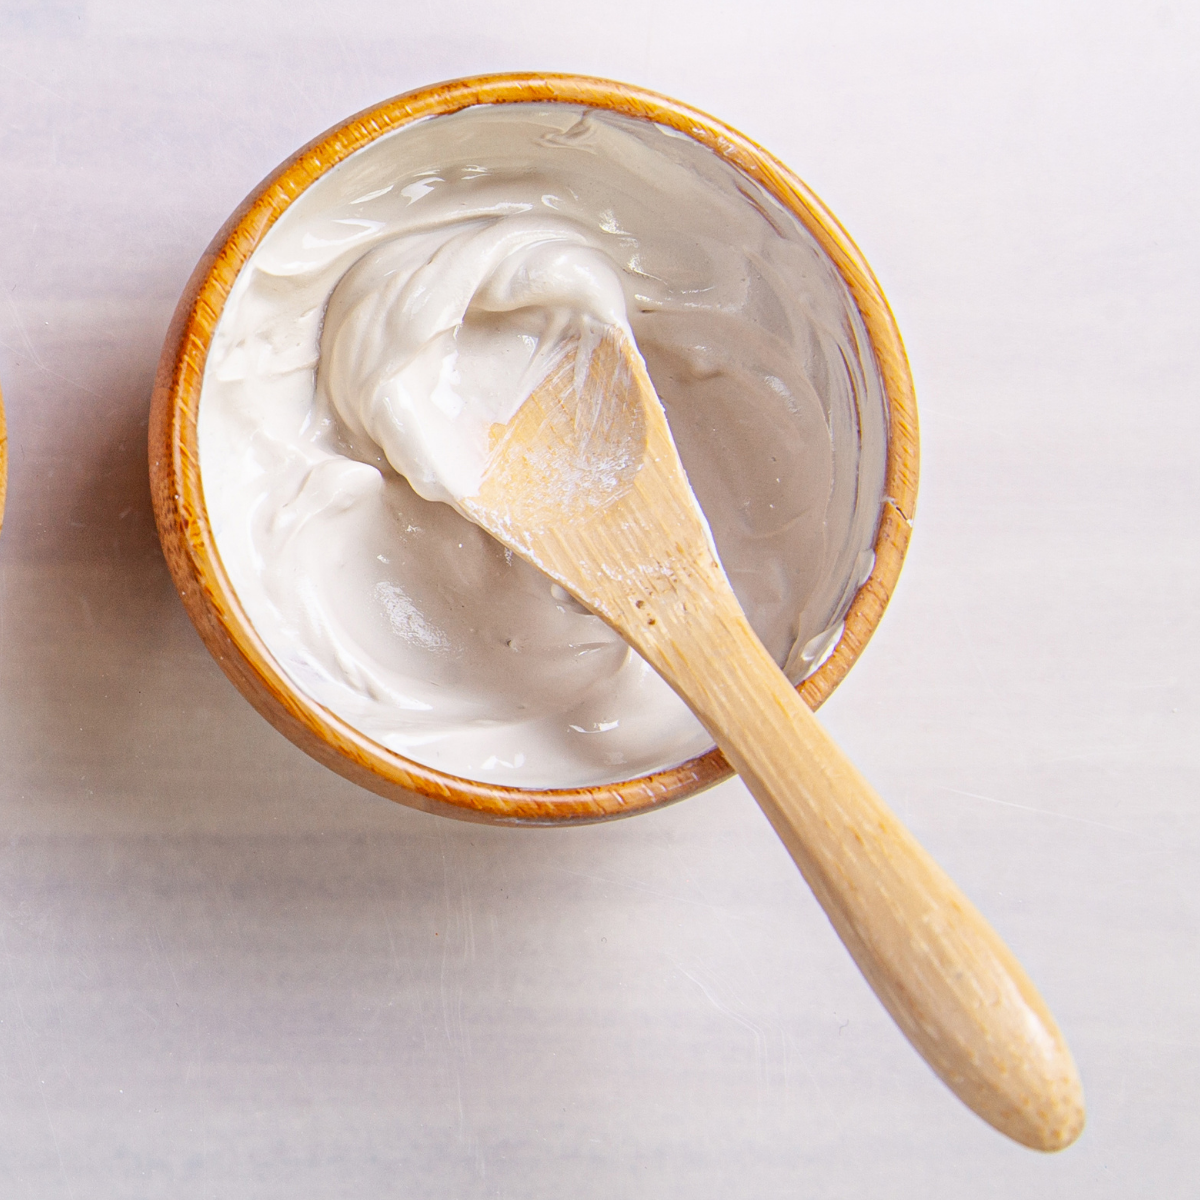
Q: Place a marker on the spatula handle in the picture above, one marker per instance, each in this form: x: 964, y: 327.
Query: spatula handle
x: 948, y: 980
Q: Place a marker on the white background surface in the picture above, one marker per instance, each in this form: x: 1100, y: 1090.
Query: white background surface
x: 225, y: 972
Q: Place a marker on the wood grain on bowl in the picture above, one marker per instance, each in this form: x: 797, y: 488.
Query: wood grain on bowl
x: 191, y: 549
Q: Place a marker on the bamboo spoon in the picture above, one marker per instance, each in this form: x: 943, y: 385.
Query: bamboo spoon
x: 586, y: 484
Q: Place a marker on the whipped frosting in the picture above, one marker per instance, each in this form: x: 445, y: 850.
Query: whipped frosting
x: 410, y: 299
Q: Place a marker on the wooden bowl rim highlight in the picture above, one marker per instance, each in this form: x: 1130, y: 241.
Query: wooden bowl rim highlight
x: 190, y: 547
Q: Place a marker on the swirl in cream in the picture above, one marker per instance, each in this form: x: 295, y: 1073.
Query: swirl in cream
x: 425, y: 349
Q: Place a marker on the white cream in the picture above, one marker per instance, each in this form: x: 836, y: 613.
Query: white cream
x: 405, y: 302
x: 430, y: 341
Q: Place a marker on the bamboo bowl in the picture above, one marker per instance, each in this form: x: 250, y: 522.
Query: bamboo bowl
x: 188, y: 540
x: 3, y: 461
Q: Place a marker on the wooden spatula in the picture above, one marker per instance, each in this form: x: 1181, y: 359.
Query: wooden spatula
x: 586, y: 484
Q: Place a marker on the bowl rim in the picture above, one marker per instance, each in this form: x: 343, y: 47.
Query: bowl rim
x: 190, y: 547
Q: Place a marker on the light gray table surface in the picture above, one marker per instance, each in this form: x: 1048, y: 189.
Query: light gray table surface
x: 225, y: 972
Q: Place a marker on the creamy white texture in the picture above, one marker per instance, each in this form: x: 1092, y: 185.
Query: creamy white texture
x: 428, y: 343
x: 405, y: 302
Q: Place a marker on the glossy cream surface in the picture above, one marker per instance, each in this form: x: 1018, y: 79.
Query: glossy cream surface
x: 405, y: 302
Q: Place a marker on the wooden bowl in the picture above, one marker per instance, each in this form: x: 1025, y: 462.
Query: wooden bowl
x: 3, y: 460
x: 187, y: 537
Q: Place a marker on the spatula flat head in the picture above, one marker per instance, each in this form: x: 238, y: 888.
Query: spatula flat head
x: 574, y: 447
